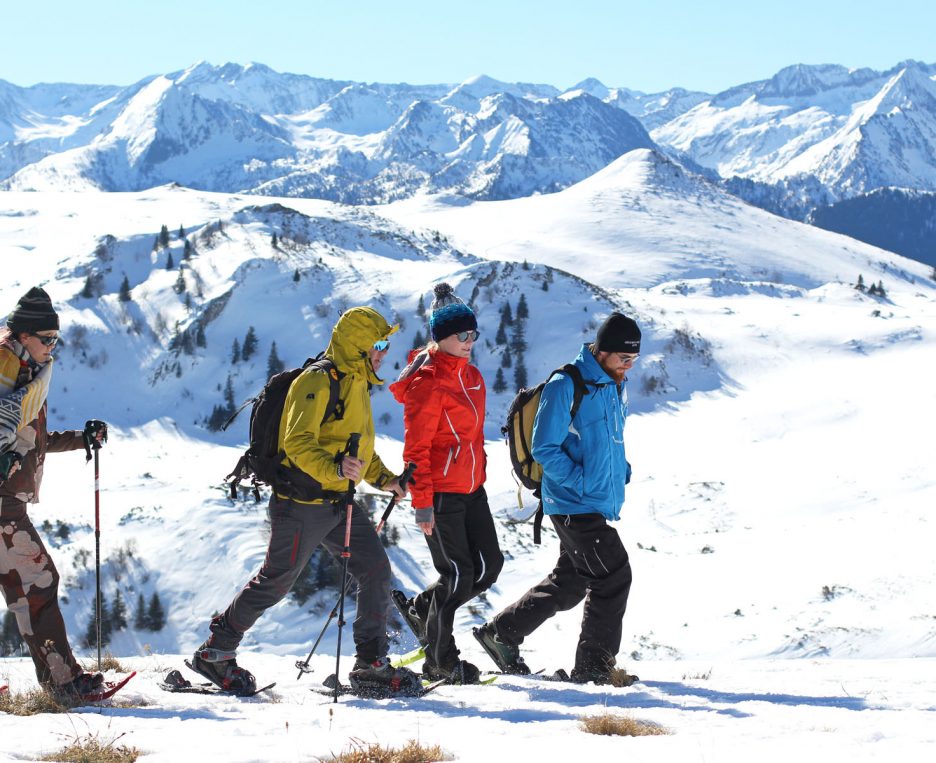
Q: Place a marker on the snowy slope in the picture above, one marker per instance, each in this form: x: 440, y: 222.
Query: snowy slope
x: 779, y: 509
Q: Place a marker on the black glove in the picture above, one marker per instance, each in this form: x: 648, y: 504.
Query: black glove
x: 7, y: 462
x: 90, y: 434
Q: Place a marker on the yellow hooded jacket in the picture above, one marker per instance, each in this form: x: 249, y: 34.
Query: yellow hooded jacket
x: 310, y: 445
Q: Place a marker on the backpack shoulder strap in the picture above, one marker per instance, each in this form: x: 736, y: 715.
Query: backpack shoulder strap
x: 579, y: 386
x: 335, y: 405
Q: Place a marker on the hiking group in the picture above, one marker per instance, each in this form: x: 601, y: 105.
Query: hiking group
x: 321, y: 445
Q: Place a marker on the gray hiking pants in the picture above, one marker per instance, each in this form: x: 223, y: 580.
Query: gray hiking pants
x: 297, y: 529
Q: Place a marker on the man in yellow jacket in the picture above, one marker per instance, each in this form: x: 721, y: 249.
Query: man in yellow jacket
x: 306, y: 509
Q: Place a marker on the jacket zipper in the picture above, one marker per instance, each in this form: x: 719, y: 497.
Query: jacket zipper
x: 474, y: 463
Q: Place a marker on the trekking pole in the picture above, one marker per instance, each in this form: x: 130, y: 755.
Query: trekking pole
x: 304, y: 666
x: 404, y: 481
x: 91, y: 442
x: 352, y: 450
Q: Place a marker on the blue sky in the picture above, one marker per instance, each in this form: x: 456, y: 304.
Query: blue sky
x: 643, y: 45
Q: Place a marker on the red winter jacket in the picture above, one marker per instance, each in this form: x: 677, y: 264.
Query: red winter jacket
x: 443, y: 414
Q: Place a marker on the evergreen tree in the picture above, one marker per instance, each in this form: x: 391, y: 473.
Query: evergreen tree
x: 170, y: 263
x: 501, y: 337
x: 11, y: 641
x: 421, y: 305
x: 518, y: 344
x: 880, y: 289
x: 87, y: 291
x: 156, y: 244
x: 545, y: 285
x: 118, y: 612
x: 235, y: 352
x: 155, y: 614
x: 325, y: 574
x: 500, y: 383
x: 140, y: 621
x: 250, y: 344
x: 164, y: 237
x: 229, y: 395
x: 274, y: 364
x: 304, y: 586
x: 861, y: 284
x: 520, y: 374
x: 873, y: 290
x: 523, y: 311
x: 419, y: 340
x: 124, y: 294
x: 526, y: 265
x: 187, y: 250
x: 181, y: 232
x: 179, y: 286
x: 296, y: 276
x: 106, y: 625
x: 187, y: 344
x: 505, y: 358
x: 275, y: 242
x: 200, y: 339
x: 506, y: 315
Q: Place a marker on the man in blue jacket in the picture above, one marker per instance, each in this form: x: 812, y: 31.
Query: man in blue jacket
x: 584, y: 474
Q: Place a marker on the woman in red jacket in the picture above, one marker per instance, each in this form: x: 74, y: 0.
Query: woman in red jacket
x: 443, y: 397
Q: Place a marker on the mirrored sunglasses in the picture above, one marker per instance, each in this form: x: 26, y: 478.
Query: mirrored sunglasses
x: 382, y: 345
x: 48, y: 341
x: 626, y: 357
x: 464, y: 336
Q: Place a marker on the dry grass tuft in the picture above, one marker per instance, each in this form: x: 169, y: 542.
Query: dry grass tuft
x: 108, y: 662
x: 93, y: 750
x: 608, y: 724
x: 412, y: 752
x: 31, y: 702
x: 620, y: 677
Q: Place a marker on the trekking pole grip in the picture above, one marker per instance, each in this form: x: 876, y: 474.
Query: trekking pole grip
x: 403, y: 481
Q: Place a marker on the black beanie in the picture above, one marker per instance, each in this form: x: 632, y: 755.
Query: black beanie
x: 33, y: 313
x: 618, y: 334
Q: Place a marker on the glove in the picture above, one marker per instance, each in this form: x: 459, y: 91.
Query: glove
x: 9, y: 462
x: 90, y: 434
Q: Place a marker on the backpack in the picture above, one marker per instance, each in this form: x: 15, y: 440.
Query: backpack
x: 262, y: 460
x: 518, y: 431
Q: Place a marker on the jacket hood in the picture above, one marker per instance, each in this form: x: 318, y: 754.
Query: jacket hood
x: 425, y: 362
x: 354, y: 336
x: 590, y: 368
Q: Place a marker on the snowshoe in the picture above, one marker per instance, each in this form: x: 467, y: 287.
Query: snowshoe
x: 408, y: 612
x: 222, y: 670
x: 461, y: 673
x: 506, y: 657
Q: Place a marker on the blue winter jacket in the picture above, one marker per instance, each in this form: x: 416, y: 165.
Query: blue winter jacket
x: 584, y: 468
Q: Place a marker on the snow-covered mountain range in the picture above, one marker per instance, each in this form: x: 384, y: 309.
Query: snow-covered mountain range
x: 810, y: 136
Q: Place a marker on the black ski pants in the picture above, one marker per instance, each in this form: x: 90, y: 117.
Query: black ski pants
x: 592, y: 565
x: 467, y: 556
x: 296, y: 530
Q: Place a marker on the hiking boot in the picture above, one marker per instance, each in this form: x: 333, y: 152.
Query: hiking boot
x: 222, y: 670
x: 415, y: 621
x: 603, y: 676
x: 380, y: 679
x: 505, y: 656
x: 79, y: 688
x: 460, y: 673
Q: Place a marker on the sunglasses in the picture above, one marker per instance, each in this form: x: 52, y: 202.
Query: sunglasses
x: 382, y: 345
x: 48, y: 341
x: 625, y: 357
x: 464, y: 336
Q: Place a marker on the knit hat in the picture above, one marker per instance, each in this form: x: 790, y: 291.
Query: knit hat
x: 33, y: 313
x: 448, y: 314
x: 618, y: 334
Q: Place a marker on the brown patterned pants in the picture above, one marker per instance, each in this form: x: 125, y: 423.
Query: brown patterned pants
x: 30, y: 586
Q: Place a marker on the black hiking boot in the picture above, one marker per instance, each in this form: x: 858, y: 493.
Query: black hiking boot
x: 505, y: 656
x: 460, y: 673
x: 79, y: 688
x: 407, y: 608
x: 380, y: 679
x: 222, y: 670
x: 609, y: 676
